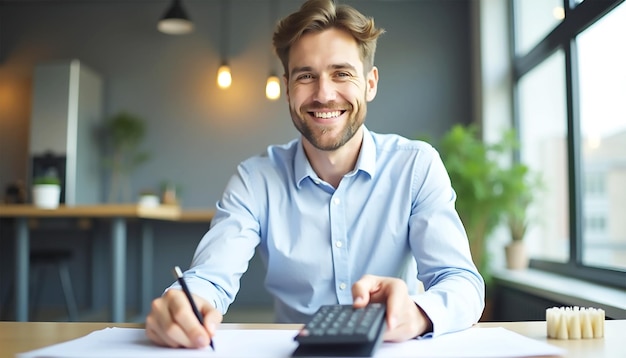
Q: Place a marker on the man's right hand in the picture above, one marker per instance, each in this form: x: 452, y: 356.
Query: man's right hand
x: 172, y: 323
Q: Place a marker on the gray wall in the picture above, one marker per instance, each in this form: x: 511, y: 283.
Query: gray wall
x: 198, y: 133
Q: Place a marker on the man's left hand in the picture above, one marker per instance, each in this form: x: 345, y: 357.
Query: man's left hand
x: 405, y: 319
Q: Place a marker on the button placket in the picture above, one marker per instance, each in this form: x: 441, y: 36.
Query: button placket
x: 340, y: 250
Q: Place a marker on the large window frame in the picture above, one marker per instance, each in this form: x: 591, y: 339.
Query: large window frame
x: 578, y: 17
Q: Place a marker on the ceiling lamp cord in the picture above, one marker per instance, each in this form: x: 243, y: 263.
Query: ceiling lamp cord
x: 272, y: 86
x: 224, y: 77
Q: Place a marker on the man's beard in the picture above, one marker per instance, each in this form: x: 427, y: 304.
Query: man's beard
x: 317, y: 138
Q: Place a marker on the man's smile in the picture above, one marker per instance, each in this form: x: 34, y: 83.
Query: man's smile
x: 327, y: 114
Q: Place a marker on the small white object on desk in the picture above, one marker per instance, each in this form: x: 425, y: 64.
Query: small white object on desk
x: 149, y: 201
x: 575, y: 322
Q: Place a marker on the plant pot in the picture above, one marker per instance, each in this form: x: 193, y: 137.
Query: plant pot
x: 516, y: 257
x: 46, y: 196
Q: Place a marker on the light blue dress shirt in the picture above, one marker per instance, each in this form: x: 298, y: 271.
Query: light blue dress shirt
x: 393, y: 215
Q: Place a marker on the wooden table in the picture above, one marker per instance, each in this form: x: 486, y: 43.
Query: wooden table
x: 117, y: 214
x: 19, y: 337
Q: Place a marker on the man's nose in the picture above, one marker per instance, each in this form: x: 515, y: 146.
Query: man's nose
x: 326, y: 90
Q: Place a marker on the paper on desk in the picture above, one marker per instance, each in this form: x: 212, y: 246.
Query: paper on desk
x: 132, y: 342
x: 472, y: 343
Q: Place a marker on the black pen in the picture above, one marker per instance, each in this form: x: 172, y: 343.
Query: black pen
x: 179, y: 276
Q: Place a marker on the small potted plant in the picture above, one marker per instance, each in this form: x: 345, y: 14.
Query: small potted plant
x: 522, y: 187
x: 170, y: 193
x: 47, y: 191
x: 515, y: 251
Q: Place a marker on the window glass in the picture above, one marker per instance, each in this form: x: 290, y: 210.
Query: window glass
x: 534, y: 20
x: 543, y: 131
x: 602, y: 76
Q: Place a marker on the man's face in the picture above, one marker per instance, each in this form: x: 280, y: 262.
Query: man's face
x: 327, y: 89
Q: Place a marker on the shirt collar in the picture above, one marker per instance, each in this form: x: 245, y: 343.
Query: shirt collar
x: 365, y: 163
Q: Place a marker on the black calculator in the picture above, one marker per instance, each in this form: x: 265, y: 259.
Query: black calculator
x: 342, y: 331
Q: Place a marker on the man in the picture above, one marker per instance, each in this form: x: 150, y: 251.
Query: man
x: 342, y: 214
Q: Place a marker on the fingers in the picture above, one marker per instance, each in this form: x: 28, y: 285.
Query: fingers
x: 154, y: 322
x: 398, y: 302
x: 405, y: 320
x: 188, y: 328
x: 212, y: 317
x: 391, y: 291
x: 172, y: 322
x: 414, y: 323
x: 363, y: 289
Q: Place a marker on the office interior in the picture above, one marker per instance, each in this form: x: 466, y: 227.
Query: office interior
x: 440, y: 63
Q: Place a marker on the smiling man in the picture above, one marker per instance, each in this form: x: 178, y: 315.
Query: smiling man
x: 341, y: 215
x: 328, y: 86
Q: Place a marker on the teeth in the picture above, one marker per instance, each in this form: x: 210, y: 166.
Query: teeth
x: 327, y: 114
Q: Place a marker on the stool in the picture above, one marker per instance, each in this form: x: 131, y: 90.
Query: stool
x: 39, y: 259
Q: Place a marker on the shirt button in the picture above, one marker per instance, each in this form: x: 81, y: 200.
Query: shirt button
x: 338, y: 244
x: 336, y: 201
x: 342, y: 286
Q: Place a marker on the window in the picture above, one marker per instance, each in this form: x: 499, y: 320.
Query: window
x: 570, y: 86
x: 543, y: 131
x: 534, y: 20
x: 602, y: 79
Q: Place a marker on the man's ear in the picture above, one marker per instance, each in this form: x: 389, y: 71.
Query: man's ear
x: 372, y: 84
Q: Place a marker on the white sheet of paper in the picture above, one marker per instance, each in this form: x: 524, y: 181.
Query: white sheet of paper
x: 472, y: 343
x: 132, y: 342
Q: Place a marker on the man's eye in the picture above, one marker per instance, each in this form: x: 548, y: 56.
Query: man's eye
x: 306, y: 76
x: 343, y: 74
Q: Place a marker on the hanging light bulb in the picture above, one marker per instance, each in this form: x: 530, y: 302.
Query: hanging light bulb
x: 272, y: 88
x: 175, y: 21
x: 224, y: 78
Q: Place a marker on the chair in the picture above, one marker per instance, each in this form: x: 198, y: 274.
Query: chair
x: 40, y: 259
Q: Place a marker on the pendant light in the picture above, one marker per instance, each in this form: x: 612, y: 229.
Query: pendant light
x: 272, y: 86
x: 224, y: 77
x: 175, y: 21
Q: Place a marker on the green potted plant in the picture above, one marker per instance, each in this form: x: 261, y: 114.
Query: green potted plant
x: 486, y: 190
x: 122, y: 136
x: 47, y: 191
x: 522, y: 187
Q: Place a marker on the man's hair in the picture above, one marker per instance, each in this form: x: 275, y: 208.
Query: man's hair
x: 320, y: 15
